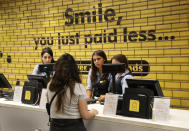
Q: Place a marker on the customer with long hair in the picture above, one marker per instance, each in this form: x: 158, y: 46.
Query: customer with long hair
x: 70, y: 104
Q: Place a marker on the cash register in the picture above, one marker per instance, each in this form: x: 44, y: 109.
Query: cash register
x: 33, y: 87
x: 137, y: 101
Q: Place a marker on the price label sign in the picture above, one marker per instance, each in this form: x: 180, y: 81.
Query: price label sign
x: 110, y: 104
x: 17, y: 93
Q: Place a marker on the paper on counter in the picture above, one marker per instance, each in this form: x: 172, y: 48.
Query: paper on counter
x: 17, y: 94
x: 161, y: 109
x: 110, y: 104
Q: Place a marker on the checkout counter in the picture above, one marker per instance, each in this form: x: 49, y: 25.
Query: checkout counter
x: 16, y: 116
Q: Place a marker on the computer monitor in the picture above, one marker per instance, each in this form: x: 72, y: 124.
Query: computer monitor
x: 151, y: 84
x: 5, y: 87
x: 39, y: 78
x: 113, y: 69
x: 4, y: 82
x: 46, y: 67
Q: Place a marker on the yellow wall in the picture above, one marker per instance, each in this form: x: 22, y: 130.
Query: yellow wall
x: 154, y: 31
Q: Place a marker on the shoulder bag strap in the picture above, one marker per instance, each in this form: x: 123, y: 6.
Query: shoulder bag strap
x: 53, y: 99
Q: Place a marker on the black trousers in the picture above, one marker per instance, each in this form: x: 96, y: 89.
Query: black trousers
x: 67, y: 125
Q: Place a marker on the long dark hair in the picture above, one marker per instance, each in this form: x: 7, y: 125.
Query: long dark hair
x: 94, y: 68
x: 122, y: 59
x: 66, y: 75
x: 49, y: 51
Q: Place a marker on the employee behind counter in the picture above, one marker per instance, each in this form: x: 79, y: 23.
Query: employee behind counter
x: 101, y: 83
x: 97, y: 81
x: 46, y: 58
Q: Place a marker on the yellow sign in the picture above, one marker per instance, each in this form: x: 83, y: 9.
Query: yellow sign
x: 27, y: 95
x: 134, y: 105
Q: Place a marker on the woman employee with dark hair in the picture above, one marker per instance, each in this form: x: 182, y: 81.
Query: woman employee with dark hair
x: 97, y: 81
x: 46, y: 58
x: 69, y: 106
x: 120, y: 78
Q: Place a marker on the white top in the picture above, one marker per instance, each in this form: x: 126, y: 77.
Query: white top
x: 71, y: 110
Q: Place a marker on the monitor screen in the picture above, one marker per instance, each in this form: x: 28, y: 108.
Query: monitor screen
x: 113, y: 68
x: 4, y: 82
x: 38, y: 78
x: 46, y: 67
x: 151, y: 84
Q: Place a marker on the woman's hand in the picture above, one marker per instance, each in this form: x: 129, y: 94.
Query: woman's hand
x: 94, y: 112
x: 84, y: 112
x: 102, y: 97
